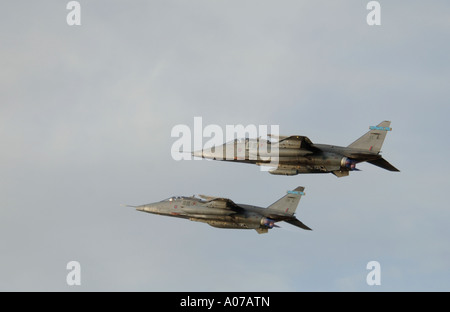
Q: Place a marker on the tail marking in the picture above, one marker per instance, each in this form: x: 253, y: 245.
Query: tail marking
x: 380, y: 128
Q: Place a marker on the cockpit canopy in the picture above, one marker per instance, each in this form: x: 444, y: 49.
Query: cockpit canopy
x: 173, y: 198
x: 247, y: 140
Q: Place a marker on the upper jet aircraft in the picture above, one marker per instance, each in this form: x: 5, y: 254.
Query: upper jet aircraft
x: 296, y: 154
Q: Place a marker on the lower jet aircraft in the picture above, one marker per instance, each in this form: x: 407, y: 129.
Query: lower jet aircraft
x: 297, y: 154
x: 224, y: 213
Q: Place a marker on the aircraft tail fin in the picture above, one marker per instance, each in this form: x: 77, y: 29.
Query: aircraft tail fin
x: 289, y: 202
x: 373, y: 140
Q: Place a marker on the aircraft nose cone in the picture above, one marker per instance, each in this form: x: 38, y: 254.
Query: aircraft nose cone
x: 140, y: 208
x: 198, y: 153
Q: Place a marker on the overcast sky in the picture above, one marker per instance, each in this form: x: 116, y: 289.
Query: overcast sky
x: 86, y: 114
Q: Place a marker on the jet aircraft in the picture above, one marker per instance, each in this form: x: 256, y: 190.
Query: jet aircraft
x: 224, y: 213
x: 296, y: 154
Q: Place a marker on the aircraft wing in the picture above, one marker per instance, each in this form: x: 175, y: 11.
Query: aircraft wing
x: 219, y: 202
x: 298, y: 141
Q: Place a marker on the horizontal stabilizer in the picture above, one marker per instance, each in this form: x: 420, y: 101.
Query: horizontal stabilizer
x: 383, y: 163
x: 298, y: 223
